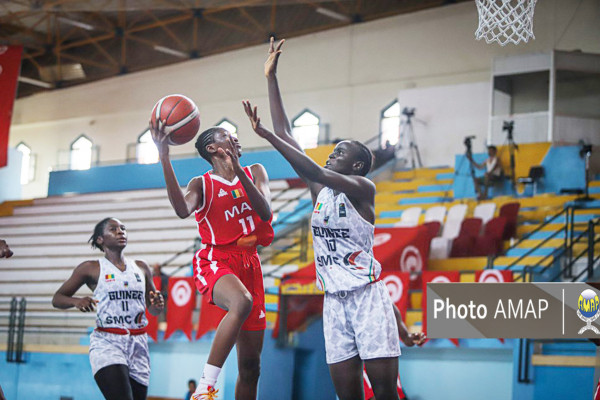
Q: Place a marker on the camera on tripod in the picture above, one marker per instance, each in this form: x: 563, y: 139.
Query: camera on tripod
x: 468, y: 143
x: 409, y: 112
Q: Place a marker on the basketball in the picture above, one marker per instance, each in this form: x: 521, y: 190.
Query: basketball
x: 179, y: 116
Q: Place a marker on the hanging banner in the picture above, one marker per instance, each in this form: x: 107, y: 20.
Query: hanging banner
x: 180, y: 306
x: 397, y: 285
x: 436, y: 277
x: 10, y: 64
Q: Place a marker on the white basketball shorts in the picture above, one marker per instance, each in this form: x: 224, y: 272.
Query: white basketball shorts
x: 360, y: 322
x: 130, y: 350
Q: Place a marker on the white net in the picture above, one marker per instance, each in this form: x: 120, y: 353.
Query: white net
x: 505, y: 21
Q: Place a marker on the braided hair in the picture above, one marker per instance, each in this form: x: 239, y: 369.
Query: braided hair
x: 98, y: 231
x: 206, y: 138
x: 364, y: 155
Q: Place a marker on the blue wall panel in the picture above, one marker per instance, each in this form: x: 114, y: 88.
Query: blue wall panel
x: 150, y: 176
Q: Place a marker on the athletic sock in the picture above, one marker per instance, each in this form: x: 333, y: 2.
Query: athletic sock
x: 209, y: 378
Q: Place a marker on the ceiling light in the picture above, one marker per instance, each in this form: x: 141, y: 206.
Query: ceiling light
x: 172, y: 52
x: 332, y: 14
x: 77, y: 24
x: 35, y: 82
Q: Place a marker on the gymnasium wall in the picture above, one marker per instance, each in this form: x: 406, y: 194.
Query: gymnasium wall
x: 346, y: 76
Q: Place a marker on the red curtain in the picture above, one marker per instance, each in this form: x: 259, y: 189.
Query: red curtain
x: 10, y: 64
x: 182, y: 299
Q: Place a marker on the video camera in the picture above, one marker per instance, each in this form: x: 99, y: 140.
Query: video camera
x: 468, y: 143
x: 409, y: 112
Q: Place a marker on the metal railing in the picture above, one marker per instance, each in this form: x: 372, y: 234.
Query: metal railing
x: 16, y: 330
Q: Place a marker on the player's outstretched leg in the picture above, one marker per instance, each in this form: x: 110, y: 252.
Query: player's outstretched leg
x: 348, y: 379
x: 382, y: 373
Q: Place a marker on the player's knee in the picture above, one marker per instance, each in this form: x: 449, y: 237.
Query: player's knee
x: 242, y: 305
x: 249, y: 370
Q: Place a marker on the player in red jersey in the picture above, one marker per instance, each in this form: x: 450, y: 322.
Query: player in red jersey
x: 232, y: 205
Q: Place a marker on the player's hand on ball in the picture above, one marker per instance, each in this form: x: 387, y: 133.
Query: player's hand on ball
x: 157, y: 300
x: 85, y: 304
x: 255, y: 120
x: 160, y: 139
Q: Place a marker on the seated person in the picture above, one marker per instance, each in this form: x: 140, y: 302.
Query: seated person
x: 493, y: 172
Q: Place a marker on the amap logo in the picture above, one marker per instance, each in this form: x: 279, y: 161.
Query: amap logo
x: 588, y: 310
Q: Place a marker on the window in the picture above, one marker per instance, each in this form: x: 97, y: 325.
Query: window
x: 390, y: 124
x: 26, y: 163
x: 229, y: 126
x: 81, y: 153
x: 146, y: 151
x: 305, y: 129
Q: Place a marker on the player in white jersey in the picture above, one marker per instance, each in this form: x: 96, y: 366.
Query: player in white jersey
x: 358, y: 314
x: 123, y: 288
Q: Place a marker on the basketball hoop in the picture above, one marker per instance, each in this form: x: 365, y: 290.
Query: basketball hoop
x: 505, y: 21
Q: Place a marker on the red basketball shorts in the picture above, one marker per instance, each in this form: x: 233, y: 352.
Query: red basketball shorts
x: 213, y: 262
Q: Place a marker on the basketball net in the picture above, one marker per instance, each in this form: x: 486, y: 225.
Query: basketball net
x: 505, y: 21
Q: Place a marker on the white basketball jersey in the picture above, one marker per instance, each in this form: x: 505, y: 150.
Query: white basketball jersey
x: 121, y: 296
x: 343, y: 244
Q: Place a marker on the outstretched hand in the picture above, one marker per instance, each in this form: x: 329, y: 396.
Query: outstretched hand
x: 273, y: 58
x: 252, y: 114
x: 418, y: 338
x: 157, y: 300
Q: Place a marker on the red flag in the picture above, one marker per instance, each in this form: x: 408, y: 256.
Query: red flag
x: 369, y: 395
x: 404, y: 249
x: 182, y: 299
x: 152, y: 327
x: 493, y: 276
x: 397, y: 285
x: 10, y: 63
x: 210, y: 317
x: 436, y: 277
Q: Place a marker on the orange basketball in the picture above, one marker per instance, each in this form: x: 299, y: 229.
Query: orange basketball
x: 179, y: 116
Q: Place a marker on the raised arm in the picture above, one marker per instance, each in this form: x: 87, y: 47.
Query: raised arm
x: 353, y: 186
x: 281, y: 123
x: 183, y: 203
x: 82, y: 275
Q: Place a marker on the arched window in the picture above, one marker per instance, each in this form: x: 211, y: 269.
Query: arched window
x: 26, y: 160
x: 146, y: 151
x: 81, y: 153
x: 305, y: 129
x: 390, y: 124
x: 229, y: 126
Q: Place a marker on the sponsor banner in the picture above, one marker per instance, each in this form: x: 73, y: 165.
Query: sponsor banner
x: 513, y: 310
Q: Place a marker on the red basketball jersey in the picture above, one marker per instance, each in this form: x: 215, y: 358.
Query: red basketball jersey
x: 226, y: 217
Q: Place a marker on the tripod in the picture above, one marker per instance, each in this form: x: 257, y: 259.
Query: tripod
x: 512, y: 147
x: 407, y: 134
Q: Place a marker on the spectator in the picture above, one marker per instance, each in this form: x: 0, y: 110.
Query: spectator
x: 191, y: 389
x: 493, y: 172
